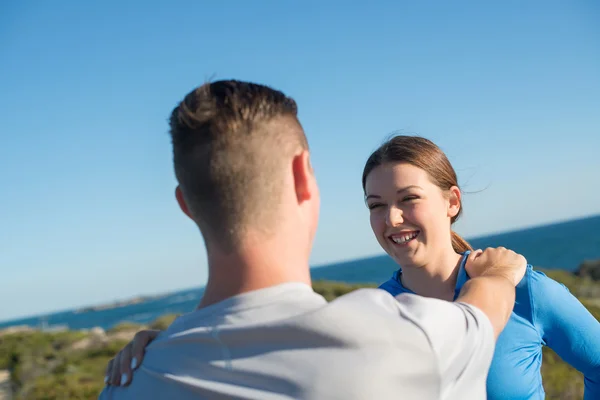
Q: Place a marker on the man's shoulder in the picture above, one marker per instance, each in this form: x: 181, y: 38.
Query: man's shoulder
x: 405, y: 305
x: 430, y: 321
x: 367, y: 300
x: 371, y: 312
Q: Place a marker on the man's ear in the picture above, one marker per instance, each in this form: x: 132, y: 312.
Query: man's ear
x: 454, y: 201
x: 303, y: 176
x: 181, y: 201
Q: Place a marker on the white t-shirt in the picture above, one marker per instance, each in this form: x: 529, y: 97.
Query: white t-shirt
x: 287, y: 342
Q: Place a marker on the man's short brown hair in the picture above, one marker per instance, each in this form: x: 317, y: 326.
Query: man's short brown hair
x: 232, y: 144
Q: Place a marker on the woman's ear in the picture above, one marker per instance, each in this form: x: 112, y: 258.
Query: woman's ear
x: 454, y: 201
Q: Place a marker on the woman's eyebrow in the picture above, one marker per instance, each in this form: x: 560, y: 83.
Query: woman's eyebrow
x: 404, y: 189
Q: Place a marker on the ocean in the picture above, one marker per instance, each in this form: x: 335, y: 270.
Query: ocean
x: 558, y: 246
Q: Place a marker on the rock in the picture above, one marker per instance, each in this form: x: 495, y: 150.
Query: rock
x: 98, y: 333
x: 16, y: 329
x: 589, y: 269
x: 126, y: 336
x: 5, y: 385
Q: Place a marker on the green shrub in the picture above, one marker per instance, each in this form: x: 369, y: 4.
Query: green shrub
x: 163, y: 322
x: 331, y: 290
x: 125, y: 327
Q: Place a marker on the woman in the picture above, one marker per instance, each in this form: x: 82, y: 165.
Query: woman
x: 412, y: 193
x: 413, y: 196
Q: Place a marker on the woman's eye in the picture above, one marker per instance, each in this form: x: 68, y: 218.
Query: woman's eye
x: 374, y: 206
x: 410, y: 198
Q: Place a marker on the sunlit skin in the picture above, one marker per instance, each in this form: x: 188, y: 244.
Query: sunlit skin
x: 256, y: 262
x: 405, y: 203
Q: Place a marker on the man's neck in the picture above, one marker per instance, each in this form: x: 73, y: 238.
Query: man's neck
x: 256, y: 267
x: 437, y: 279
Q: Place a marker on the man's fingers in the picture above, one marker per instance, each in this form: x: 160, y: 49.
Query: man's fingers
x: 125, y: 365
x: 115, y: 376
x: 119, y: 370
x: 108, y: 372
x: 474, y: 254
x: 140, y: 341
x: 471, y: 264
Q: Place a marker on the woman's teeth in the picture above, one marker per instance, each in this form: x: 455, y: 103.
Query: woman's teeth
x: 400, y: 239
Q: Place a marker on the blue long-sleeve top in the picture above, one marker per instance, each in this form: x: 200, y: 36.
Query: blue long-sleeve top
x: 545, y: 314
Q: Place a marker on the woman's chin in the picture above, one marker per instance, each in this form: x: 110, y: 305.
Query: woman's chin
x: 406, y: 258
x: 403, y: 255
x: 402, y: 259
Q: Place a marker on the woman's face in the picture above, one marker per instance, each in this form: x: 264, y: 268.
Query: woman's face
x: 410, y: 215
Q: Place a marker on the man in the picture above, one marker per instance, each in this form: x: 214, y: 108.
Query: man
x: 245, y: 178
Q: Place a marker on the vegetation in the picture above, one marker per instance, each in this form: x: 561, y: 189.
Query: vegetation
x: 124, y: 327
x: 561, y: 381
x: 70, y: 365
x: 331, y: 290
x: 162, y: 323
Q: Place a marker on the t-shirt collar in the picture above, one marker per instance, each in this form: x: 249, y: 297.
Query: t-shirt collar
x: 461, y: 279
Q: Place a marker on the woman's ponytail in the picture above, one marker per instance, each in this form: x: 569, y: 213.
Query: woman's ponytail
x: 459, y: 244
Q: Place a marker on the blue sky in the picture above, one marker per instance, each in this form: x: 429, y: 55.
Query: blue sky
x: 510, y: 91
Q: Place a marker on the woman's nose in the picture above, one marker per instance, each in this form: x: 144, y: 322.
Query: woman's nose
x: 394, y: 217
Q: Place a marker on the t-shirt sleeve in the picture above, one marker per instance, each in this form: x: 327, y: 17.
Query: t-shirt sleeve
x: 460, y: 335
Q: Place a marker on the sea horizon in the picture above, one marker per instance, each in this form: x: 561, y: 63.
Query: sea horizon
x: 565, y: 254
